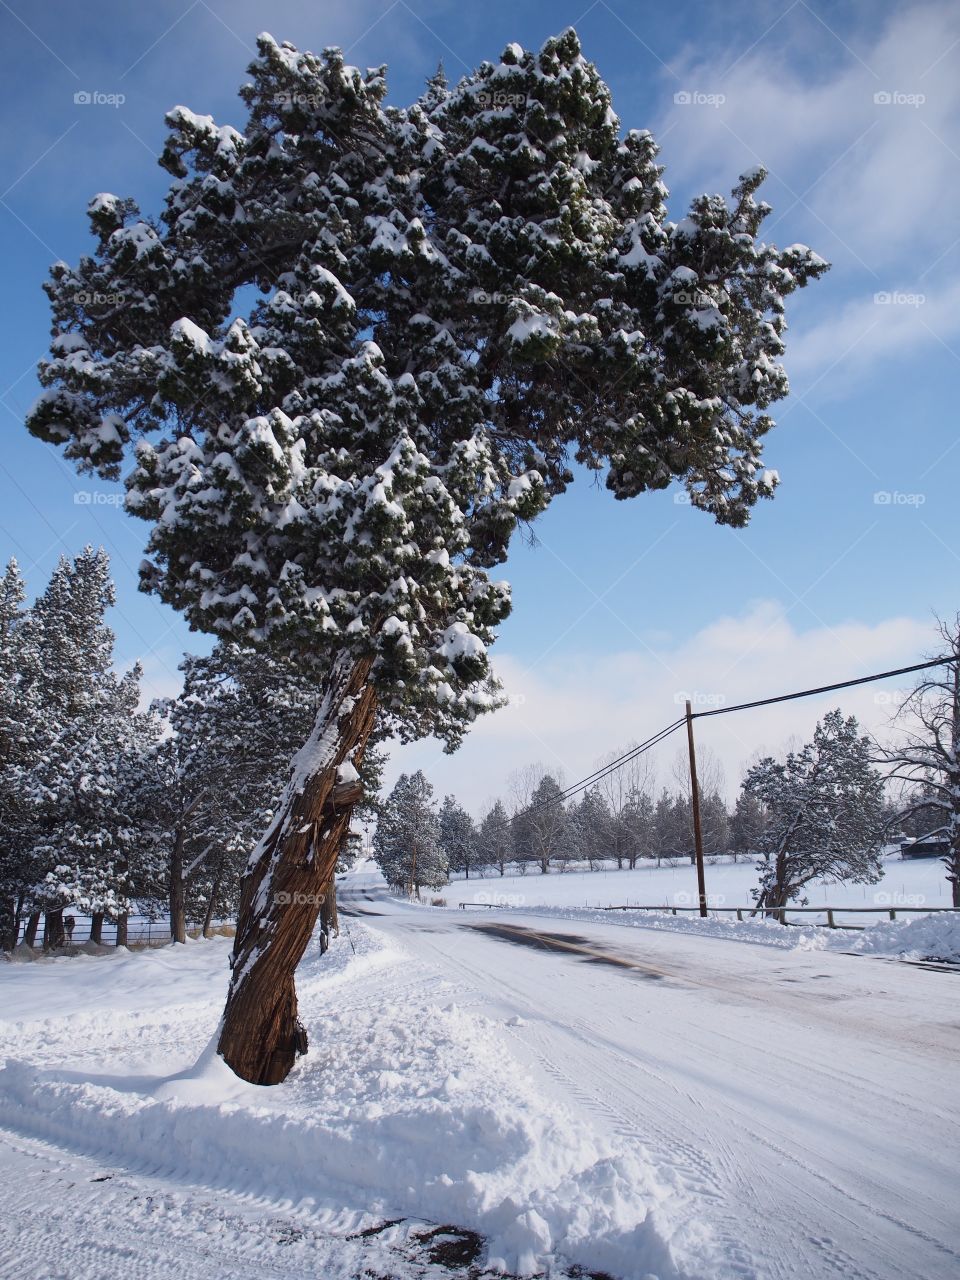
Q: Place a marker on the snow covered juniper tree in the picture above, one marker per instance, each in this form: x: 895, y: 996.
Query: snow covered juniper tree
x: 455, y: 299
x: 824, y: 815
x: 926, y: 757
x: 408, y: 844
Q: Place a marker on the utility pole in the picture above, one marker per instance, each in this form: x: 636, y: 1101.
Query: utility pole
x: 695, y: 804
x: 415, y: 886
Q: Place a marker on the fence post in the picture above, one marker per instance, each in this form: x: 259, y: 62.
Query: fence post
x: 830, y: 923
x: 740, y: 915
x: 893, y: 914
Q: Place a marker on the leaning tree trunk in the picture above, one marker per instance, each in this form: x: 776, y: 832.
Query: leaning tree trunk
x: 178, y: 917
x: 282, y: 888
x: 53, y: 936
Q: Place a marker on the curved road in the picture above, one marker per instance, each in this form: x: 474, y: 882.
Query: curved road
x: 807, y: 1100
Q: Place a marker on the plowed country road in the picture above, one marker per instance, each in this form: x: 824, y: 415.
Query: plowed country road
x: 809, y: 1099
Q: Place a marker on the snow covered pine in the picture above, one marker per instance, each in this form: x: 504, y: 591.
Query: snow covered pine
x: 451, y: 303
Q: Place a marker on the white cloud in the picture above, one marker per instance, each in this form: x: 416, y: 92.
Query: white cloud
x: 569, y: 712
x: 889, y: 324
x: 879, y: 177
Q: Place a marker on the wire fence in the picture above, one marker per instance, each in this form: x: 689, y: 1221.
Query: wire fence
x: 140, y: 933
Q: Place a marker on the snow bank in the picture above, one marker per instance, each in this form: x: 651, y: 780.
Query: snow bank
x: 406, y: 1104
x: 935, y: 937
x: 767, y: 933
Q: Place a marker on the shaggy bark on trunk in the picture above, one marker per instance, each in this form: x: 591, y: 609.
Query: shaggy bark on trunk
x: 53, y: 936
x: 280, y: 895
x: 178, y: 919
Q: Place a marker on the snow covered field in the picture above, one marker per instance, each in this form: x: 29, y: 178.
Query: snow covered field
x: 917, y: 882
x: 640, y: 1103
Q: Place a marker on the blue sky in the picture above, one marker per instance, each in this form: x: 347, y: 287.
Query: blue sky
x: 854, y: 109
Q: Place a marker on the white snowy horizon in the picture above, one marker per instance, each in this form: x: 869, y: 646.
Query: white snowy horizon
x: 570, y: 710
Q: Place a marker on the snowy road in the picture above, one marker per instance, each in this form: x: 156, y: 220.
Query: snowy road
x: 807, y: 1099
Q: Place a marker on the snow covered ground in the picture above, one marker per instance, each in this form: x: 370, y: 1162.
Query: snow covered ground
x: 919, y: 882
x: 407, y: 1106
x: 642, y: 1102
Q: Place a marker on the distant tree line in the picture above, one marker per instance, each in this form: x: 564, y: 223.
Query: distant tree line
x: 818, y: 812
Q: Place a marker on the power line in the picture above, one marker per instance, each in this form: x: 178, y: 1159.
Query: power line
x: 567, y: 793
x: 824, y: 688
x: 630, y: 754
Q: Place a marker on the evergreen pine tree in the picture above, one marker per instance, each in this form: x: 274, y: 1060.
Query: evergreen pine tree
x: 495, y: 838
x: 20, y: 722
x: 89, y: 741
x: 458, y: 836
x: 407, y: 844
x: 747, y: 825
x: 824, y: 807
x: 593, y: 822
x: 543, y: 831
x: 453, y: 301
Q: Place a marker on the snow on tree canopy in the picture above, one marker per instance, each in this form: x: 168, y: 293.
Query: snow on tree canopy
x: 456, y: 299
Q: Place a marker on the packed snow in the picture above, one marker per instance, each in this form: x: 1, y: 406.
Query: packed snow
x: 408, y: 1103
x: 643, y: 1103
